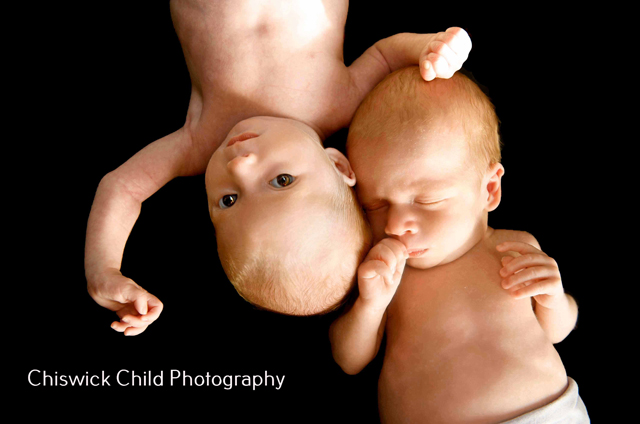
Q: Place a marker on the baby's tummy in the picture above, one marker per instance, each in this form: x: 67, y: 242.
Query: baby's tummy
x: 478, y: 379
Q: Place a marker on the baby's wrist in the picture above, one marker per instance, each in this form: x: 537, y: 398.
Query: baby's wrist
x: 93, y: 274
x: 373, y: 307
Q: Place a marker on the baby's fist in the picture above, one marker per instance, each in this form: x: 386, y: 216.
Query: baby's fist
x: 532, y: 274
x: 136, y: 307
x: 381, y: 271
x: 445, y: 54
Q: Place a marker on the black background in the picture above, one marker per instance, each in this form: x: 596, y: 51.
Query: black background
x: 99, y: 82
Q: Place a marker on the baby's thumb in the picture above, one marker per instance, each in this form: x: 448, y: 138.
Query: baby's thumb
x: 374, y: 268
x: 141, y: 305
x: 138, y: 296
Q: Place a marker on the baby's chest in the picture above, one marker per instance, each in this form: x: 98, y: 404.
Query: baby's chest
x: 472, y: 275
x: 459, y: 296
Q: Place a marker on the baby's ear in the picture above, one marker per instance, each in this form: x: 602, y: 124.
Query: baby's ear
x: 493, y: 181
x: 342, y: 165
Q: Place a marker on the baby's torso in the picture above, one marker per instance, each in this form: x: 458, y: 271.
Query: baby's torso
x: 460, y: 349
x: 275, y: 58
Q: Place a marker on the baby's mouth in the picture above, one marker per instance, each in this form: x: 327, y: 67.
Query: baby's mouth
x: 242, y: 137
x: 414, y: 253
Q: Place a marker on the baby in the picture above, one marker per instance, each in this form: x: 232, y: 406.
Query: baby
x: 268, y: 86
x: 470, y: 330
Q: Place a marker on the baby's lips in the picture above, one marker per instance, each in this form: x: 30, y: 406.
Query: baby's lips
x: 414, y: 253
x: 242, y: 137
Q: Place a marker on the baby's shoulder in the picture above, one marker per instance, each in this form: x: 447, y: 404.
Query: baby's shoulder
x: 500, y: 236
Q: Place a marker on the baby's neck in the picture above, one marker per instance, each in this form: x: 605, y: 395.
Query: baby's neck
x: 480, y: 235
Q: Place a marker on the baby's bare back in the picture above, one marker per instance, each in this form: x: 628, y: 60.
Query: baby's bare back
x: 275, y: 58
x: 460, y: 349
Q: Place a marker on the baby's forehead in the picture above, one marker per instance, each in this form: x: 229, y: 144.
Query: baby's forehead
x: 298, y: 215
x: 399, y: 181
x: 430, y: 146
x: 417, y: 171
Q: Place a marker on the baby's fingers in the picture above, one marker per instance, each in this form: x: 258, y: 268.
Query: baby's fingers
x: 458, y: 41
x: 445, y: 54
x: 133, y: 321
x: 134, y: 331
x: 529, y: 260
x: 373, y: 269
x: 435, y: 66
x: 426, y: 70
x: 119, y: 326
x: 390, y: 251
x: 506, y: 259
x: 542, y: 287
x: 154, y: 309
x: 127, y: 328
x: 529, y: 274
x: 445, y: 62
x: 149, y: 307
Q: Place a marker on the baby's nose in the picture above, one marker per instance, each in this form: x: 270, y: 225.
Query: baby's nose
x: 400, y: 222
x: 241, y: 164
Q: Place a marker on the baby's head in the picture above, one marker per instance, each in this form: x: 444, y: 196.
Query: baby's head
x: 427, y: 157
x: 289, y: 230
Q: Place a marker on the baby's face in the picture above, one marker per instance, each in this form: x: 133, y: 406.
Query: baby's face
x: 420, y: 189
x: 268, y: 188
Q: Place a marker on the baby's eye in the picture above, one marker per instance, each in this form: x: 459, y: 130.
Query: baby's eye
x: 282, y: 180
x: 429, y: 203
x: 227, y: 201
x: 374, y: 207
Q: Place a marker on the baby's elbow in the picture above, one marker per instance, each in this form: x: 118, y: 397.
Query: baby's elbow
x: 557, y: 338
x: 351, y: 368
x: 556, y: 335
x: 111, y: 183
x: 108, y: 180
x: 347, y: 364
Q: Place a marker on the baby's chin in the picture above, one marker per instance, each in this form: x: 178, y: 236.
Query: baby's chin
x: 432, y: 258
x: 424, y: 262
x: 418, y: 264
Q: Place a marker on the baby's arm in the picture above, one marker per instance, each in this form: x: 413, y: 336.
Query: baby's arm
x: 438, y: 55
x: 356, y: 335
x: 115, y: 209
x: 534, y: 274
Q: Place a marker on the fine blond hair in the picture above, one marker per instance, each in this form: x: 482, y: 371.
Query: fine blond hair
x: 404, y: 100
x: 306, y: 280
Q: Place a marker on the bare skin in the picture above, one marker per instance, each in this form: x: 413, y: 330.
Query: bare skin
x: 461, y: 349
x: 471, y: 320
x: 246, y: 59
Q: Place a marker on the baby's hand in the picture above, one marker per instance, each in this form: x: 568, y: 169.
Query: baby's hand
x: 136, y: 307
x: 534, y: 274
x: 381, y: 271
x: 444, y: 54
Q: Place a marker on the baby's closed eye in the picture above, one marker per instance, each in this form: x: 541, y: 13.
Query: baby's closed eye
x: 430, y: 203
